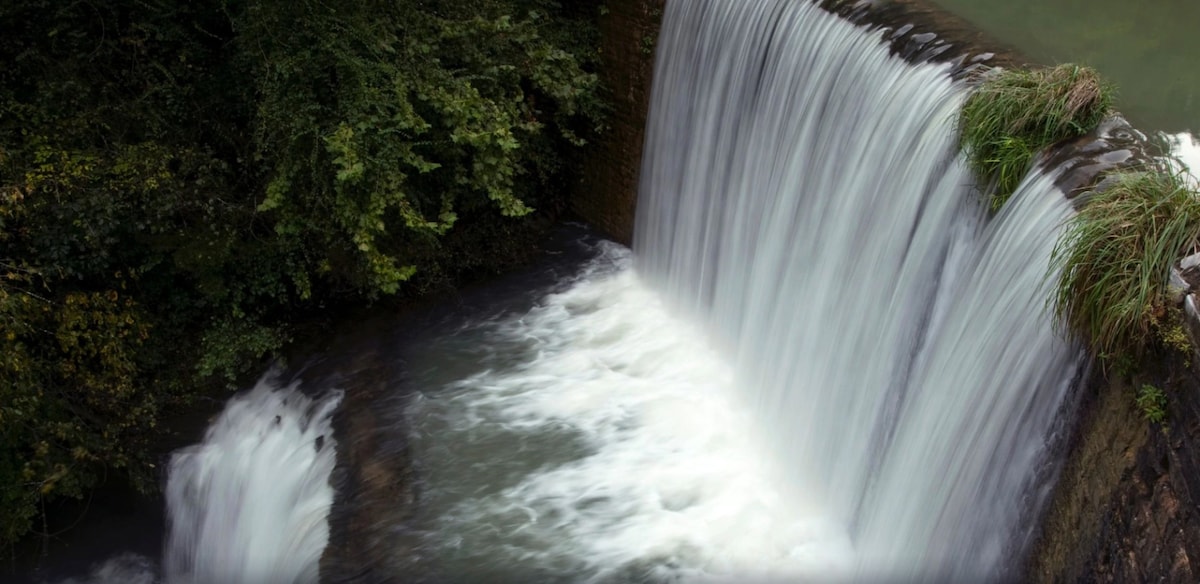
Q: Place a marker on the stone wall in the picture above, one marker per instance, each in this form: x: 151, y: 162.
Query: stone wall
x: 607, y: 194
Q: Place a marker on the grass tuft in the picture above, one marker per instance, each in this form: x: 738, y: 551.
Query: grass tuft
x: 1013, y: 114
x: 1115, y: 257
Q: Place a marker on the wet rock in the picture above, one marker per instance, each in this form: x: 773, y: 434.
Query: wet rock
x: 919, y: 32
x: 1124, y: 509
x: 1086, y: 162
x: 375, y: 489
x: 1187, y: 274
x: 373, y: 480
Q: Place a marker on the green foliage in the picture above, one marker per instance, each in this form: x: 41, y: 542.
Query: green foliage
x: 68, y: 417
x: 1013, y: 114
x: 231, y: 346
x: 1121, y: 364
x: 179, y: 181
x: 381, y: 120
x: 1153, y: 403
x: 648, y: 44
x: 1115, y: 257
x: 1169, y: 326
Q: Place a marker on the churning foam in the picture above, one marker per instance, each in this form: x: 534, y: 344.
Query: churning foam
x: 661, y: 473
x: 803, y: 197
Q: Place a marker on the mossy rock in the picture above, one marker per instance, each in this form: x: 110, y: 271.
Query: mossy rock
x: 1012, y: 114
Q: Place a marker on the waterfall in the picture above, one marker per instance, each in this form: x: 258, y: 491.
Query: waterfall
x: 802, y: 197
x: 250, y: 503
x: 824, y: 361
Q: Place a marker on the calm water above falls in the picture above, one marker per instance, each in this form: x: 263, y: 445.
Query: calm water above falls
x: 1146, y: 47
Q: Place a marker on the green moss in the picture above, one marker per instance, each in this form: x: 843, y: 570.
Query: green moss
x: 1115, y: 257
x: 1175, y: 338
x: 1168, y: 324
x: 1012, y: 114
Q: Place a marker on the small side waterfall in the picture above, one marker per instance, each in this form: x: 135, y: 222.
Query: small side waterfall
x: 802, y: 196
x: 250, y: 503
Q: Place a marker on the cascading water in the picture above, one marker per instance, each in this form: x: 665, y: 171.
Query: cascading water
x: 594, y: 439
x: 826, y: 362
x: 250, y: 503
x: 801, y: 195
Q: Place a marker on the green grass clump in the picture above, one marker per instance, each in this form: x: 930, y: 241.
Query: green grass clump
x: 1013, y: 114
x: 1115, y: 257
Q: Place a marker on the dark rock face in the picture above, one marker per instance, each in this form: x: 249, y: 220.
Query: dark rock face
x: 374, y: 485
x: 919, y: 32
x: 607, y: 195
x: 1085, y: 162
x: 1124, y: 509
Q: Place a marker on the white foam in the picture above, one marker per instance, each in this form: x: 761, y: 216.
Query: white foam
x: 671, y: 478
x: 126, y: 568
x: 1185, y: 155
x: 250, y: 504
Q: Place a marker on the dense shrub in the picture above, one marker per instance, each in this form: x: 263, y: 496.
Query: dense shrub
x: 179, y: 180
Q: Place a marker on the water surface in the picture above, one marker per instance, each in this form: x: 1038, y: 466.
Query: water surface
x: 1148, y: 48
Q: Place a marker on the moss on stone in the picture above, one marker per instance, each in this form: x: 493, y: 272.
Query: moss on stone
x: 1012, y: 114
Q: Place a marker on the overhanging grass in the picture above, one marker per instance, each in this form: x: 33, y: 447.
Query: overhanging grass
x: 1116, y: 255
x: 1013, y: 114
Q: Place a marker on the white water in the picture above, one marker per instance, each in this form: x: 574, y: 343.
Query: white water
x: 125, y: 568
x: 828, y: 365
x: 802, y: 197
x: 250, y: 504
x: 600, y: 440
x: 1184, y: 155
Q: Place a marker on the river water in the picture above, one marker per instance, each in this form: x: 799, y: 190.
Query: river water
x: 823, y: 360
x: 1146, y: 47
